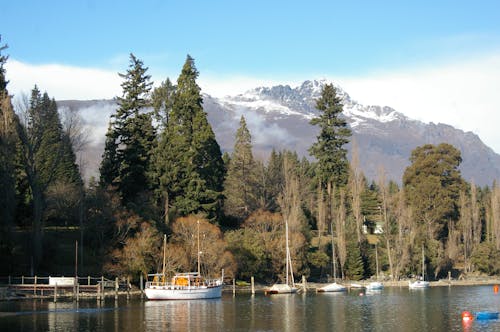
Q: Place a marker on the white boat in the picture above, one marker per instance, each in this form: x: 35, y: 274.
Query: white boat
x: 333, y: 287
x: 420, y: 284
x: 375, y: 285
x: 289, y: 286
x: 183, y: 286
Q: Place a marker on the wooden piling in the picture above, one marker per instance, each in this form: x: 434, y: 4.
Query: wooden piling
x: 102, y: 288
x: 34, y: 287
x: 142, y: 286
x: 128, y: 288
x: 253, y: 285
x: 77, y: 292
x: 55, y: 293
x: 88, y: 280
x: 234, y: 287
x: 304, y: 283
x: 116, y: 288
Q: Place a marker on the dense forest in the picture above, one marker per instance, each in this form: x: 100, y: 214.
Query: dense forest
x: 163, y: 172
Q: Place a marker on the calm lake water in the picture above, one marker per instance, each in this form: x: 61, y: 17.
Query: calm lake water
x: 393, y: 309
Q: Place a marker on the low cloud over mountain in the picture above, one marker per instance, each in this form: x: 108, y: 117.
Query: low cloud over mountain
x: 278, y: 117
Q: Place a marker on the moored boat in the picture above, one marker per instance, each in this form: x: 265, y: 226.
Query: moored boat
x: 332, y: 287
x: 420, y: 284
x: 375, y: 285
x: 289, y: 286
x: 183, y: 286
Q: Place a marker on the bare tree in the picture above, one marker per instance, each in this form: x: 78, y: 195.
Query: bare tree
x: 385, y: 200
x: 356, y: 185
x: 340, y: 219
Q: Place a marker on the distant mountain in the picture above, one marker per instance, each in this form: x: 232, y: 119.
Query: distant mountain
x: 278, y: 117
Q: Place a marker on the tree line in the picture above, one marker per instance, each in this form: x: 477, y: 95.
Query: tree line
x: 163, y: 172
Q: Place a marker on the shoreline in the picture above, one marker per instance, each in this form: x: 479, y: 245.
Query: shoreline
x: 7, y: 294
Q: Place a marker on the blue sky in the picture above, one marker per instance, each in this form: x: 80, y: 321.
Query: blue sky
x: 432, y: 60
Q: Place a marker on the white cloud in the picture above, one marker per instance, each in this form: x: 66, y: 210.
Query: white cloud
x: 463, y: 94
x: 62, y: 82
x: 218, y: 86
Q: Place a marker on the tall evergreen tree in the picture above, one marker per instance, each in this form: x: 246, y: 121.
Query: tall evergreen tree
x: 274, y: 180
x: 241, y: 184
x: 329, y: 149
x: 8, y: 141
x: 432, y: 185
x: 130, y: 139
x: 189, y: 157
x: 45, y: 158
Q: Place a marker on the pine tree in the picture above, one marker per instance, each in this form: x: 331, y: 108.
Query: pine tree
x: 274, y: 180
x: 432, y: 185
x: 126, y: 163
x: 241, y: 184
x: 189, y: 159
x: 8, y: 141
x: 45, y: 158
x: 329, y: 149
x: 332, y: 168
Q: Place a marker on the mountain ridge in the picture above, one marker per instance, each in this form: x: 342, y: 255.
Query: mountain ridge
x: 278, y: 118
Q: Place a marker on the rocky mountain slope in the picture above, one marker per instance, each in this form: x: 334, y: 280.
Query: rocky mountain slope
x: 278, y: 117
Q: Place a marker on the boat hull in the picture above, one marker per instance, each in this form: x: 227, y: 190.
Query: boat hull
x: 419, y: 284
x: 184, y: 293
x: 375, y: 286
x: 281, y: 289
x: 333, y: 287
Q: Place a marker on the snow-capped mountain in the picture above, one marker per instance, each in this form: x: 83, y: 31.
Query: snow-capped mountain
x: 278, y: 118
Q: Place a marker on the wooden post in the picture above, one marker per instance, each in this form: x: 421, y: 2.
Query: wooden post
x: 116, y: 288
x: 22, y: 280
x: 128, y: 288
x: 102, y: 288
x: 74, y: 289
x: 142, y: 286
x: 234, y: 287
x: 77, y: 292
x: 304, y: 283
x: 88, y: 280
x: 9, y: 280
x: 253, y: 285
x: 34, y: 287
x: 55, y: 293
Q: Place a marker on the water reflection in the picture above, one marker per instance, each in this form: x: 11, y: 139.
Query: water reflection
x: 188, y: 315
x: 392, y: 309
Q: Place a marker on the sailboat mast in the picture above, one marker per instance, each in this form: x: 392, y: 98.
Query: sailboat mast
x: 164, y: 255
x: 287, y: 251
x: 333, y: 258
x: 376, y: 260
x: 423, y: 264
x: 198, y: 236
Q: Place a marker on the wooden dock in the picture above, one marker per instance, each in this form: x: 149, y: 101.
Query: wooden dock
x: 67, y: 287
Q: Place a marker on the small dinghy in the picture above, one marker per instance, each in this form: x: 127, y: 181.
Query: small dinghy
x: 486, y: 315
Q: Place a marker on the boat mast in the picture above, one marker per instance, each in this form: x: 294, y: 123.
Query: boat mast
x: 164, y: 254
x: 376, y: 260
x: 423, y: 264
x: 198, y: 236
x: 333, y: 257
x: 287, y: 251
